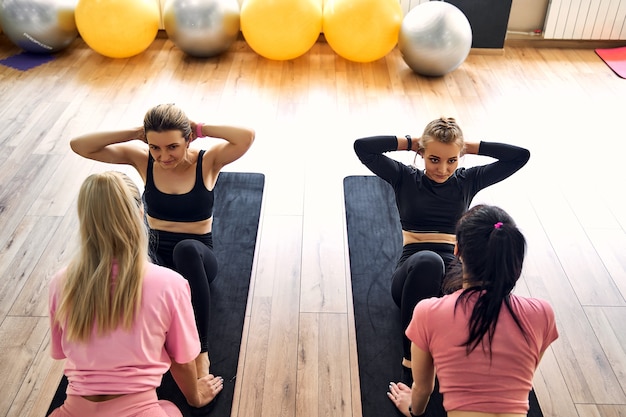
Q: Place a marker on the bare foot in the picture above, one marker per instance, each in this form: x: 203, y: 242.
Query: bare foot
x: 202, y: 364
x: 208, y: 388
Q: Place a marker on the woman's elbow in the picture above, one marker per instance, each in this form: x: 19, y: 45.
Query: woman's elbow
x: 525, y: 156
x: 358, y: 146
x: 423, y: 388
x: 75, y: 145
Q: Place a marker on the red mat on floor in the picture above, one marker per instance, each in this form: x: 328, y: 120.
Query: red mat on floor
x: 615, y: 58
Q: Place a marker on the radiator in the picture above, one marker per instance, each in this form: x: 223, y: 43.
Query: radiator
x: 586, y: 20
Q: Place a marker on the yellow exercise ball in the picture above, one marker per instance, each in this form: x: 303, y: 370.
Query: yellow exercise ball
x: 118, y: 28
x: 281, y: 29
x: 362, y: 30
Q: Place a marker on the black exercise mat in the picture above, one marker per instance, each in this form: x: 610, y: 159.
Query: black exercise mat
x: 375, y: 243
x: 237, y: 208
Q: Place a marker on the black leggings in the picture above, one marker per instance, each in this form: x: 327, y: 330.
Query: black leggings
x: 418, y: 275
x: 191, y: 256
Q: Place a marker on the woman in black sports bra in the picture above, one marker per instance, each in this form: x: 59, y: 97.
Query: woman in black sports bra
x: 178, y: 194
x: 430, y: 202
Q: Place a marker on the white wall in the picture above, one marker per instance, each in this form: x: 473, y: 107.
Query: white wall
x: 528, y: 15
x: 525, y: 16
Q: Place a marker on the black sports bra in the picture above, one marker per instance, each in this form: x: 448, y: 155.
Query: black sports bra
x: 196, y: 205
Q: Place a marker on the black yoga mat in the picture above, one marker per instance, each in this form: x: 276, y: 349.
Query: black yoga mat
x: 375, y: 243
x: 237, y: 208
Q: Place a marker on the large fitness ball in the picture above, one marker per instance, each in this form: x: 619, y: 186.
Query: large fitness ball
x: 281, y: 29
x: 39, y: 26
x: 202, y: 28
x: 362, y: 30
x: 435, y: 38
x: 118, y: 28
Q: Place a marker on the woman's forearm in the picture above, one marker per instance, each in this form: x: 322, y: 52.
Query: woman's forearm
x: 237, y: 141
x: 186, y: 378
x: 419, y: 398
x: 472, y: 148
x: 235, y: 135
x: 423, y: 371
x: 92, y: 143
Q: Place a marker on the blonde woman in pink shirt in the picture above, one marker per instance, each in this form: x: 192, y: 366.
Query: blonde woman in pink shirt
x: 484, y: 342
x: 119, y: 321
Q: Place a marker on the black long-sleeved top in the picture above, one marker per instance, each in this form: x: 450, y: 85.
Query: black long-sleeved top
x: 425, y: 205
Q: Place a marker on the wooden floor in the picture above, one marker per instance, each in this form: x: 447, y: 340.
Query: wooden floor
x: 298, y: 356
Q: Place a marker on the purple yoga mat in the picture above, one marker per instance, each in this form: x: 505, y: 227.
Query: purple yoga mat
x: 26, y: 60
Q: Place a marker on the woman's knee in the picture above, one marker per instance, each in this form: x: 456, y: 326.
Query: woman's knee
x: 193, y: 255
x: 424, y: 273
x: 170, y: 409
x: 426, y: 262
x: 186, y: 250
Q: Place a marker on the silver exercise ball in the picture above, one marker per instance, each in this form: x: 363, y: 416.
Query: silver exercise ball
x: 201, y: 28
x: 435, y: 38
x: 39, y: 26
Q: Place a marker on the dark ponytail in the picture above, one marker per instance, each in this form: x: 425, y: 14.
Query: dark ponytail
x: 491, y: 249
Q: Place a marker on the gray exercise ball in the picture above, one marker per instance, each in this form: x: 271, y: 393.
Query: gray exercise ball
x: 435, y: 38
x: 39, y: 26
x: 202, y: 28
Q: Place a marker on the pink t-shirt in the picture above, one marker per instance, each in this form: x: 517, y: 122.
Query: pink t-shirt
x: 124, y: 362
x: 474, y: 383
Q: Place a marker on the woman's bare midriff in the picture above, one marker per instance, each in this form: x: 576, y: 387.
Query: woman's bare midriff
x: 427, y: 237
x: 101, y: 398
x: 458, y: 413
x: 197, y: 228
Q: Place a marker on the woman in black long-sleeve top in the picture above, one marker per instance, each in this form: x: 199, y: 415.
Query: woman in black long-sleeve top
x: 430, y: 201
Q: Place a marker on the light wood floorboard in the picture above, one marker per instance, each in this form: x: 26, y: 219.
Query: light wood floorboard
x: 298, y: 355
